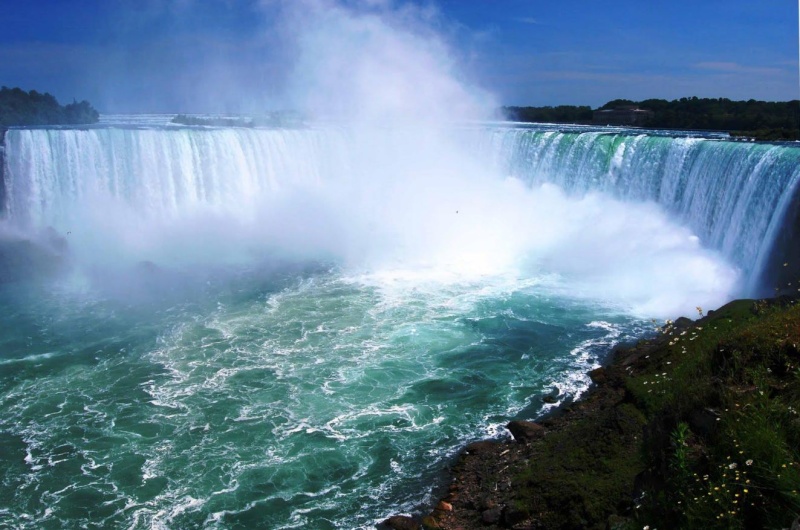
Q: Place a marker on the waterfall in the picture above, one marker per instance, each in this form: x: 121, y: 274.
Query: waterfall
x: 157, y: 172
x: 732, y: 195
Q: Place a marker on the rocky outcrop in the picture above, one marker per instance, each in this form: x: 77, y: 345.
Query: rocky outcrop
x: 525, y: 431
x: 26, y: 257
x: 781, y: 274
x: 400, y: 522
x: 656, y: 435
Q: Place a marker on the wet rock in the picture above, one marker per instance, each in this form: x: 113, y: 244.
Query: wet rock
x: 444, y: 506
x: 22, y: 259
x: 513, y: 516
x: 525, y: 431
x: 483, y: 446
x: 401, y: 522
x: 486, y: 502
x: 429, y: 523
x: 598, y: 376
x: 491, y: 516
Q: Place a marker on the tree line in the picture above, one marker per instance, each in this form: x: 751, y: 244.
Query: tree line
x: 761, y: 119
x: 18, y: 107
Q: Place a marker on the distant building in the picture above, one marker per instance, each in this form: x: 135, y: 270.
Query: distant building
x: 622, y: 116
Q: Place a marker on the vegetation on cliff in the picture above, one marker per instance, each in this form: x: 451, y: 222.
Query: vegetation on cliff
x: 274, y: 119
x: 722, y: 445
x: 698, y: 427
x: 18, y: 107
x: 765, y: 120
x: 718, y: 114
x: 559, y: 114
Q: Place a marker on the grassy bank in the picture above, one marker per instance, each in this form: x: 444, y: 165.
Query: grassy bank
x: 722, y: 442
x: 698, y: 427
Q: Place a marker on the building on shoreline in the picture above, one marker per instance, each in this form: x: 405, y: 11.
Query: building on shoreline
x: 628, y: 115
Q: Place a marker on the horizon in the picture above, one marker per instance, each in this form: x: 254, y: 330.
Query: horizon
x: 172, y: 56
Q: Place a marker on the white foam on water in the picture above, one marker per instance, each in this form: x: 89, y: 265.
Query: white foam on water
x: 425, y: 247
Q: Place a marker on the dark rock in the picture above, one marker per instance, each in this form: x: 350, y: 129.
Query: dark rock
x: 429, y: 523
x: 148, y: 267
x: 525, y: 431
x: 55, y: 241
x: 598, y: 376
x: 401, y: 522
x: 483, y: 446
x: 549, y: 399
x: 444, y: 506
x: 703, y: 421
x: 486, y: 502
x: 682, y: 322
x: 22, y: 259
x: 782, y: 266
x: 491, y: 516
x: 513, y: 516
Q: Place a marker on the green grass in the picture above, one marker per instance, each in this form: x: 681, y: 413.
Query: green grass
x: 739, y: 367
x: 591, y: 468
x: 711, y: 435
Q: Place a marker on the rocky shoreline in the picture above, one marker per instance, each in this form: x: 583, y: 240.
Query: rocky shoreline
x: 628, y: 454
x: 481, y: 494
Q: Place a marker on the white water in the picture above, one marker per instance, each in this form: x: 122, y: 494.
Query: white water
x: 330, y: 313
x: 399, y: 203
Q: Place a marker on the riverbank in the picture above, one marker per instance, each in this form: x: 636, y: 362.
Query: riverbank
x: 697, y: 427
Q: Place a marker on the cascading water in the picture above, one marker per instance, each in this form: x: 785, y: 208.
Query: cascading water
x: 297, y: 328
x: 733, y: 195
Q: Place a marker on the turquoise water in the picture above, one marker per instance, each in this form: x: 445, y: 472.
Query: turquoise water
x: 267, y: 328
x: 284, y: 398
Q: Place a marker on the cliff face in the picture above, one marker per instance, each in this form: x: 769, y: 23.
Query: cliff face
x: 781, y: 274
x: 2, y: 168
x: 698, y: 427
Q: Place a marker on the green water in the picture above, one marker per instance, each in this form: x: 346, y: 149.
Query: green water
x: 300, y: 328
x: 306, y: 397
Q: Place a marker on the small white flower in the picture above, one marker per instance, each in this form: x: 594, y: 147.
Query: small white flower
x: 749, y: 462
x: 732, y: 466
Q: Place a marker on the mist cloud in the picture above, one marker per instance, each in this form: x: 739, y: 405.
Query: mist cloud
x: 377, y: 62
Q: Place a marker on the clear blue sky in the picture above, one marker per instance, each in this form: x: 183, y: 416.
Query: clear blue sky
x: 215, y: 55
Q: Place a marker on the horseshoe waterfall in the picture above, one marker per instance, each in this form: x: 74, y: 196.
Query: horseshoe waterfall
x: 208, y: 327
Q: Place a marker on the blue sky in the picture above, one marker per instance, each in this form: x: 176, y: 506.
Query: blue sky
x: 236, y: 55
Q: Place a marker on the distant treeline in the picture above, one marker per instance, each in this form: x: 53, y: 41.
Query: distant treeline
x: 18, y: 107
x: 762, y: 119
x: 216, y: 121
x: 275, y: 119
x: 559, y: 114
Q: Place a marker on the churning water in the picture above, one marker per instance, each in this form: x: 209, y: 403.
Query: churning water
x: 281, y: 328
